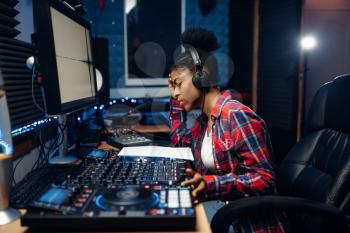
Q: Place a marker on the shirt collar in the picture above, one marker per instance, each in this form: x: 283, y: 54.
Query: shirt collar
x: 224, y: 97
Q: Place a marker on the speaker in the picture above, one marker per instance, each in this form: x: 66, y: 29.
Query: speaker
x: 7, y: 214
x: 100, y: 47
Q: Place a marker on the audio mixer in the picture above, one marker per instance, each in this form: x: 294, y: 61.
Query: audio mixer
x: 95, y: 172
x: 108, y: 192
x: 126, y: 207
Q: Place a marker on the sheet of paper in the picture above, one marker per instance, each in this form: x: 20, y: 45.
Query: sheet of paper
x: 158, y: 151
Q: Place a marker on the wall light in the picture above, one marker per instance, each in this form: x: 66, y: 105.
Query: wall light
x: 308, y: 42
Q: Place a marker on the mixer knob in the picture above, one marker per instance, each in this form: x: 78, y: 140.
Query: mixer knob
x: 68, y: 179
x: 122, y: 210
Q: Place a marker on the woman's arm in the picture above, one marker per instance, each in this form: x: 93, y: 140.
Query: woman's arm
x: 180, y: 135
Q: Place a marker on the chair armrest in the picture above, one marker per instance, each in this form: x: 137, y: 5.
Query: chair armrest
x: 247, y: 206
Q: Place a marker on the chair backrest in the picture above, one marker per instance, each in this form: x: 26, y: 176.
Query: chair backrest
x: 318, y: 166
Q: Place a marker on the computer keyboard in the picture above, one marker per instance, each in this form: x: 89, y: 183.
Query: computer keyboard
x: 129, y: 140
x: 36, y: 182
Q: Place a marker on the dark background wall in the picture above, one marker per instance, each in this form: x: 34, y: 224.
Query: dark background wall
x: 108, y: 22
x: 329, y: 23
x: 278, y: 64
x: 279, y: 53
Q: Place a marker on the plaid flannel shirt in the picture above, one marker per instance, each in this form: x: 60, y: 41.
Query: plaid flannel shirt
x: 241, y: 149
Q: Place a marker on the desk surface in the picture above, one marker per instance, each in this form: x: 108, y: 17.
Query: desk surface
x: 202, y: 224
x: 151, y: 128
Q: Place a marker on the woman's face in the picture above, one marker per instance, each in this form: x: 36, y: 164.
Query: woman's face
x: 185, y: 91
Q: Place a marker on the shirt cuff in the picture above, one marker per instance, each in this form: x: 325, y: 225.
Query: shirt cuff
x: 212, y: 187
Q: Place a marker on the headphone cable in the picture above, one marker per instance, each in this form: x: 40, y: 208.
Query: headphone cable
x: 203, y: 91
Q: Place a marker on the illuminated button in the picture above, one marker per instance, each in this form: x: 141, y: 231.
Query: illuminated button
x: 88, y: 214
x: 173, y: 193
x: 184, y: 192
x: 78, y: 204
x: 185, y: 204
x: 189, y: 211
x: 161, y: 211
x: 173, y: 203
x: 81, y: 199
x: 153, y: 212
x: 85, y: 195
x: 88, y: 191
x: 174, y: 212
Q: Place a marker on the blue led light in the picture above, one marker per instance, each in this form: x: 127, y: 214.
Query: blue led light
x: 98, y: 202
x: 99, y: 198
x: 30, y: 127
x: 156, y: 199
x: 6, y: 148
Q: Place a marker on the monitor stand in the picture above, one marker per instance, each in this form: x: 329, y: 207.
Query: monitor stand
x: 63, y: 156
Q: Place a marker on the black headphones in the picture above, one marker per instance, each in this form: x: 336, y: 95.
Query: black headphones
x: 200, y: 78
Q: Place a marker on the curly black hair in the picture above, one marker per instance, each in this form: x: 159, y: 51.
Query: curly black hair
x: 201, y: 39
x: 204, y: 42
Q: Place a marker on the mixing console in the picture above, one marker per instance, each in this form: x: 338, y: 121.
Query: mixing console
x: 107, y: 192
x: 126, y: 207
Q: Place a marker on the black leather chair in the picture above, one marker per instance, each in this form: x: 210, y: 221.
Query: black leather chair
x: 314, y: 178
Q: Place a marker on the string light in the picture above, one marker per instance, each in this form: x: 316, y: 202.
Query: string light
x: 32, y: 126
x: 29, y: 127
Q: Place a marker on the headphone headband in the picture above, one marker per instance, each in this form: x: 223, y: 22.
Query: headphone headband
x: 195, y: 56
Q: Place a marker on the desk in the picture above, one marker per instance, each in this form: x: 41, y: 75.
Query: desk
x: 202, y: 224
x: 151, y: 128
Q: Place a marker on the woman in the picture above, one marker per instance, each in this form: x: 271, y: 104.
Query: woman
x: 230, y: 142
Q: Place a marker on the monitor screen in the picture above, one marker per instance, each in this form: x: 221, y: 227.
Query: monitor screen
x: 63, y: 44
x: 72, y: 56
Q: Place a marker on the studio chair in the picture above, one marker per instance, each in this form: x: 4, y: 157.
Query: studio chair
x: 313, y: 180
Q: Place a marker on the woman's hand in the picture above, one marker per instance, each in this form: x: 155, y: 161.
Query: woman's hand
x: 171, y: 86
x: 198, y: 184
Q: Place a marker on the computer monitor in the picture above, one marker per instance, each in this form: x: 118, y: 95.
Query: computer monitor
x: 62, y: 44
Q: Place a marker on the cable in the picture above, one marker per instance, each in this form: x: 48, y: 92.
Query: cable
x: 33, y: 96
x: 201, y: 120
x: 14, y: 170
x: 45, y: 152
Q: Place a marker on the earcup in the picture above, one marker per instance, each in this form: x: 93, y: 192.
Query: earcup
x: 200, y: 80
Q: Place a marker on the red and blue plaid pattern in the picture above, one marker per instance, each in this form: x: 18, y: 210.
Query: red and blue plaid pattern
x: 241, y: 149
